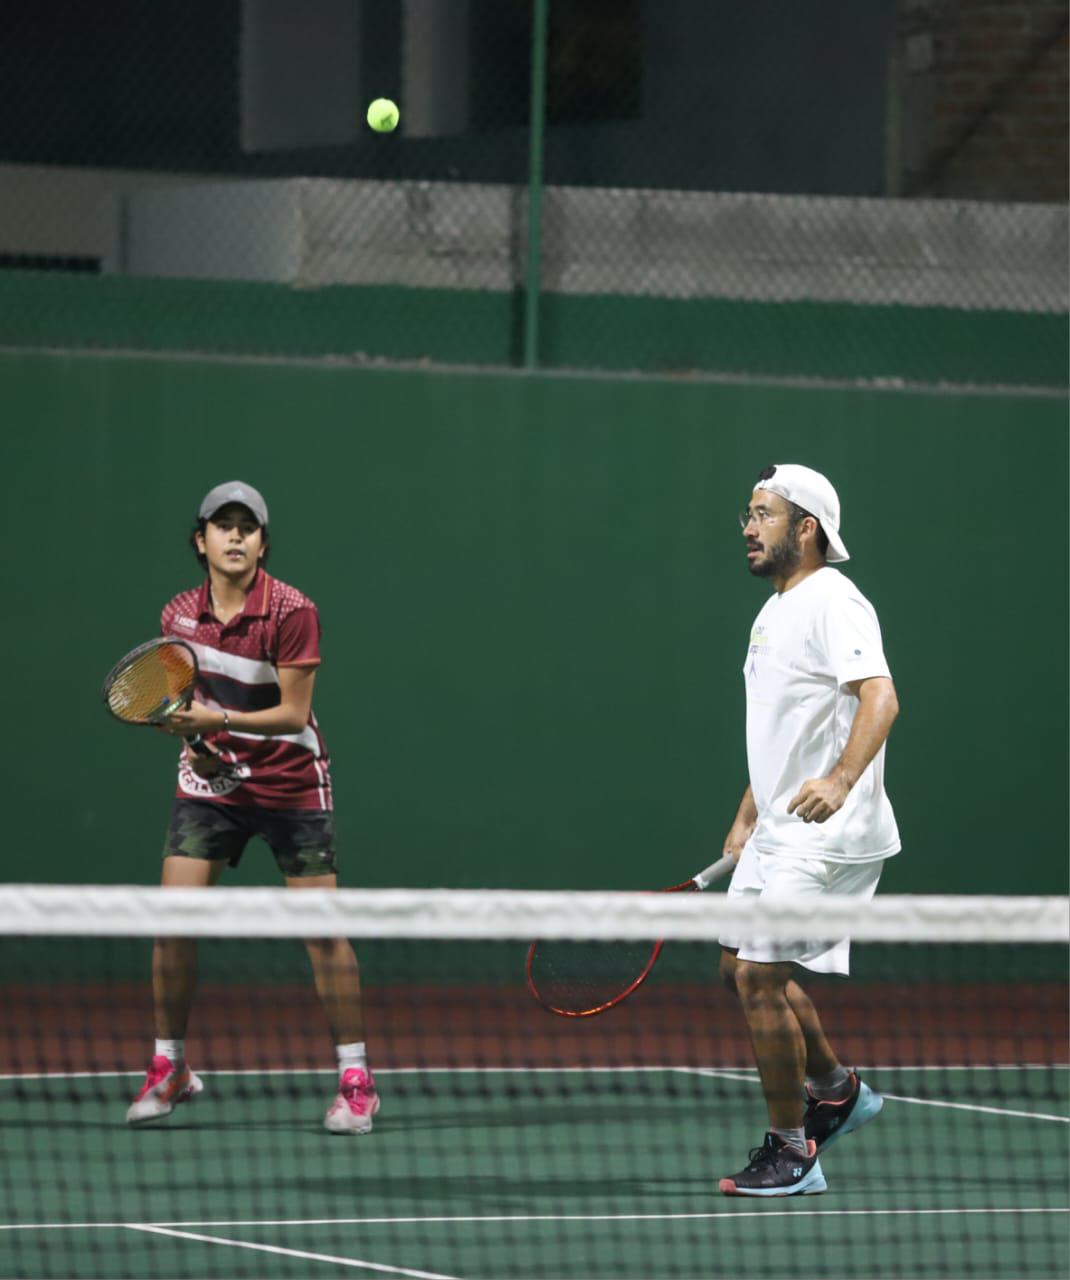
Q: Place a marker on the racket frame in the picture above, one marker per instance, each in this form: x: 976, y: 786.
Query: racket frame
x: 195, y: 742
x: 702, y: 880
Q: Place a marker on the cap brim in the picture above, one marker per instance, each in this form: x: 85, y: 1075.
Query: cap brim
x: 837, y: 552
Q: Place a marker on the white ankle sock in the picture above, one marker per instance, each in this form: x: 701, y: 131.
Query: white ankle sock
x: 175, y: 1050
x: 793, y: 1137
x: 834, y: 1087
x: 351, y: 1055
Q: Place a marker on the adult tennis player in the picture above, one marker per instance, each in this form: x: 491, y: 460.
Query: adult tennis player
x: 814, y: 820
x: 257, y: 646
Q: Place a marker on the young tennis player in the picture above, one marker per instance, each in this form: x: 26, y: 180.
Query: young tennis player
x: 815, y: 819
x: 257, y: 646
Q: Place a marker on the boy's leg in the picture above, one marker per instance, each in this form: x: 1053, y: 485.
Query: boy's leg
x: 336, y: 973
x: 169, y: 1080
x: 174, y: 960
x: 337, y: 977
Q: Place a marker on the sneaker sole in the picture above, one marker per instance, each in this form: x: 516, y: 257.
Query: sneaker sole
x: 813, y: 1184
x: 867, y: 1108
x: 191, y: 1091
x: 345, y: 1131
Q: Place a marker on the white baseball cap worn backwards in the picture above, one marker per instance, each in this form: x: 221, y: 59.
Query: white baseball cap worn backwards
x: 810, y: 490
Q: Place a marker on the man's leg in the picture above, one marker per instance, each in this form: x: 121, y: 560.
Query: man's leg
x: 821, y: 1061
x: 786, y: 1163
x: 777, y: 1037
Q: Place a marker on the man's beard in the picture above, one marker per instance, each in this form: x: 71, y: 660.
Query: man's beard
x: 781, y: 562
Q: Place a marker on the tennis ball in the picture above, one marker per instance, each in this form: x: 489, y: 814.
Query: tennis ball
x: 383, y: 115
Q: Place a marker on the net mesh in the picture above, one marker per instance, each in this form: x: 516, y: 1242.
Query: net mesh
x: 511, y: 1142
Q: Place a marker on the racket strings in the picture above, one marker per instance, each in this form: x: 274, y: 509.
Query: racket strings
x: 583, y: 977
x: 153, y: 686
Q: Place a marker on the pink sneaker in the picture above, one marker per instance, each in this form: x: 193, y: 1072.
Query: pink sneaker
x: 356, y: 1103
x: 165, y: 1087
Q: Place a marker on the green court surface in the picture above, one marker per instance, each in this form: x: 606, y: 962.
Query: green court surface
x: 579, y: 1172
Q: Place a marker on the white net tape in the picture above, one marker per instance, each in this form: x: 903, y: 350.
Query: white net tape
x: 134, y: 911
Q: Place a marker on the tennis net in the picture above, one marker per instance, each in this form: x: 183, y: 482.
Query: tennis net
x: 511, y: 1142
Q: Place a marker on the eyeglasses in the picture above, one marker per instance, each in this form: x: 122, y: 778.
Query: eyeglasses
x: 760, y: 515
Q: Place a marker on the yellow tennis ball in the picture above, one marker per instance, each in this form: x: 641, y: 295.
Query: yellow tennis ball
x: 383, y: 115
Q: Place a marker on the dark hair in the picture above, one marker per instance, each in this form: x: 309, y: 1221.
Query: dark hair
x: 796, y: 515
x: 199, y: 528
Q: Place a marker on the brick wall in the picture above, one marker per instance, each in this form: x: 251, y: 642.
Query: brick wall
x: 983, y: 87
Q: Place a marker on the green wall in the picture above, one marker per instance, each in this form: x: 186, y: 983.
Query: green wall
x: 535, y: 608
x: 937, y: 345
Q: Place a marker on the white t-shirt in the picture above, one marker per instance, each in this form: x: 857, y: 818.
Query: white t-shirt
x: 805, y: 645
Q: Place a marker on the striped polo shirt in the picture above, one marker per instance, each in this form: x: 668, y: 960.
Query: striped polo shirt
x: 239, y: 671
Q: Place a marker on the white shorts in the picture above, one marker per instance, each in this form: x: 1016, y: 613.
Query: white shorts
x: 771, y: 876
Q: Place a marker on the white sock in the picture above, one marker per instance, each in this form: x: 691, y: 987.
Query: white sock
x: 834, y: 1087
x: 175, y: 1050
x: 351, y: 1055
x: 793, y: 1137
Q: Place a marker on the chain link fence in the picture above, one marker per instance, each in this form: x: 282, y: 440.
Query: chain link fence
x: 799, y: 188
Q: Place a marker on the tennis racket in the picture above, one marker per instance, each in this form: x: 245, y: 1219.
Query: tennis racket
x: 151, y: 683
x: 580, y: 979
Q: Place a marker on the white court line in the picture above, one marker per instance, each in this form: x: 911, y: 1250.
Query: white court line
x: 476, y: 1071
x: 293, y: 1253
x: 973, y: 1106
x: 722, y: 1215
x: 719, y: 1074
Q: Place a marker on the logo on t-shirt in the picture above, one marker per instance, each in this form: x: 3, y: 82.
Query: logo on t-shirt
x: 759, y: 642
x: 187, y: 624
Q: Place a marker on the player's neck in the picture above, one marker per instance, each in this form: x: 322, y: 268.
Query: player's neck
x: 799, y: 574
x: 228, y: 594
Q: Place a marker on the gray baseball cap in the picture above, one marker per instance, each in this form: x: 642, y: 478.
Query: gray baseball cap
x: 234, y: 491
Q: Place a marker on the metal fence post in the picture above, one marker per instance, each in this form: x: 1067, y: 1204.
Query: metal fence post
x: 537, y: 127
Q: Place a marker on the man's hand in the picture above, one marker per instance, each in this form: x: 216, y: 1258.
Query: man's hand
x: 738, y: 835
x: 819, y: 798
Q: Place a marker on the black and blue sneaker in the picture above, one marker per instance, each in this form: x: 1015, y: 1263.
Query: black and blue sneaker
x: 778, y: 1169
x: 826, y: 1121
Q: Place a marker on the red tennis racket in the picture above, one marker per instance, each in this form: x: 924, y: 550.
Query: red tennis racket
x: 580, y: 979
x: 152, y: 682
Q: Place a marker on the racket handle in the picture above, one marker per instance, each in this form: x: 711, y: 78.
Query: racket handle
x: 715, y: 871
x: 224, y: 768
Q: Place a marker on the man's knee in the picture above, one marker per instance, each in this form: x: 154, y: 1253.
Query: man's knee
x: 728, y: 969
x: 756, y: 982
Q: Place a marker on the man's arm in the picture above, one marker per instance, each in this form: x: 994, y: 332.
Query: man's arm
x: 819, y: 798
x: 745, y: 821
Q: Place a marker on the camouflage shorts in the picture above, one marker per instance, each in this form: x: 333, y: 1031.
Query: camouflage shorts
x: 302, y: 840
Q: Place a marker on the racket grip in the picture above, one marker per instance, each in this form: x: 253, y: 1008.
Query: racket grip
x: 715, y: 871
x: 223, y: 768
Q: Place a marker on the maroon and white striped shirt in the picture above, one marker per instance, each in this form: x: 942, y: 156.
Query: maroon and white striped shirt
x: 239, y: 671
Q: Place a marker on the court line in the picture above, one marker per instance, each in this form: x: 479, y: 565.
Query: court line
x: 715, y: 1073
x: 530, y: 1217
x: 973, y: 1106
x: 292, y: 1253
x: 719, y: 1073
x: 455, y: 1070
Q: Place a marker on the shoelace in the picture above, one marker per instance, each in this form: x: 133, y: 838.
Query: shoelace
x: 761, y: 1156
